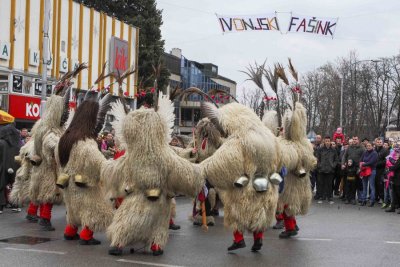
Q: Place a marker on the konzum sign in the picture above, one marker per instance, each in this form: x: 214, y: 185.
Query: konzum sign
x: 24, y: 107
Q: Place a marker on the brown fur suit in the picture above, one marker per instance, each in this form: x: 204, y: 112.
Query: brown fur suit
x: 149, y: 163
x: 245, y: 152
x: 43, y: 177
x: 80, y: 161
x: 297, y: 154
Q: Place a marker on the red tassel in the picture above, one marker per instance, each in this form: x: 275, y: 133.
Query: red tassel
x: 86, y: 233
x: 70, y: 230
x: 203, y: 144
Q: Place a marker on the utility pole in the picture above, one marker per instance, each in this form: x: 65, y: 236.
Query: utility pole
x: 47, y: 8
x: 341, y: 101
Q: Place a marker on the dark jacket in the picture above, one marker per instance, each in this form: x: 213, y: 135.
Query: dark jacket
x: 354, y: 153
x: 370, y: 158
x: 396, y: 169
x: 327, y: 160
x: 9, y: 148
x: 382, y: 154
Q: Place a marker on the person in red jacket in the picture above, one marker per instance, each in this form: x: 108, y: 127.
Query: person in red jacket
x: 338, y: 135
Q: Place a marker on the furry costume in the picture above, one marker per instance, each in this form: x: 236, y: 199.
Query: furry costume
x: 20, y: 191
x: 149, y: 166
x: 297, y: 157
x: 80, y: 163
x: 250, y: 151
x: 42, y: 188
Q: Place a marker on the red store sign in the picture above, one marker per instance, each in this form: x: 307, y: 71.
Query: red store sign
x: 24, y: 107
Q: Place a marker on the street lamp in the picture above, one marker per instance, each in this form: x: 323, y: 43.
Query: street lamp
x: 342, y: 84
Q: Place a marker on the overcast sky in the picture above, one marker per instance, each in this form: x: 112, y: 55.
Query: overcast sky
x: 370, y: 27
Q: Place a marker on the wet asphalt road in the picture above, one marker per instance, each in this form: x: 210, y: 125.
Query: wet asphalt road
x: 330, y: 235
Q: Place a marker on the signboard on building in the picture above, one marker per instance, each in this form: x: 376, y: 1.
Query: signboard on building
x: 17, y: 83
x: 118, y: 55
x: 38, y: 88
x: 393, y: 134
x: 24, y: 107
x: 4, y: 50
x: 34, y: 57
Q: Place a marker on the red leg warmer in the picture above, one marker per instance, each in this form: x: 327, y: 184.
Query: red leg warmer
x: 171, y: 221
x: 70, y: 230
x: 279, y: 216
x: 155, y: 247
x: 32, y: 209
x: 238, y: 236
x: 258, y: 235
x: 45, y: 210
x: 86, y: 233
x: 290, y: 222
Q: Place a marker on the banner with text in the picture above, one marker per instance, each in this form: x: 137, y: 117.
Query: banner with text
x: 314, y: 25
x: 265, y: 22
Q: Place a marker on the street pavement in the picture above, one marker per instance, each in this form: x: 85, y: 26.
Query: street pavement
x: 330, y: 235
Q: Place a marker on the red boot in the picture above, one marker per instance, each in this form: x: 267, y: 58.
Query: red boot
x: 290, y: 226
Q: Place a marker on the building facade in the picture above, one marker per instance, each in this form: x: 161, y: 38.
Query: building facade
x: 187, y: 73
x: 77, y: 34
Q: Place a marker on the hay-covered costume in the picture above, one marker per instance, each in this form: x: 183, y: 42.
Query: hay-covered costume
x: 298, y: 158
x: 244, y: 170
x: 80, y: 163
x: 148, y: 175
x: 42, y: 189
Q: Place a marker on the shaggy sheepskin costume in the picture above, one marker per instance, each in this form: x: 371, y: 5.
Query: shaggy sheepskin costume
x: 298, y: 158
x: 80, y: 163
x: 148, y: 175
x: 241, y: 171
x: 20, y: 191
x: 42, y: 189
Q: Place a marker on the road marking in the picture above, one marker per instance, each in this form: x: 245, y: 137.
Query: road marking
x: 36, y: 250
x: 148, y: 263
x: 392, y: 242
x: 313, y: 239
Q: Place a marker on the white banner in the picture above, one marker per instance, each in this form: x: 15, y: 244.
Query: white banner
x: 314, y: 25
x: 265, y: 22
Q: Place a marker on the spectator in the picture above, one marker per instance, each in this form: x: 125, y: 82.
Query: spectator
x: 368, y: 163
x: 354, y: 152
x: 338, y: 135
x: 380, y: 169
x: 28, y: 137
x: 314, y: 173
x: 23, y: 135
x: 388, y: 179
x: 337, y: 145
x: 343, y: 173
x: 327, y: 159
x: 395, y: 186
x: 386, y: 146
x: 365, y: 141
x: 108, y: 146
x: 351, y: 183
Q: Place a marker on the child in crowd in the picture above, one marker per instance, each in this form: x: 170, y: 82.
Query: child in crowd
x: 351, y: 183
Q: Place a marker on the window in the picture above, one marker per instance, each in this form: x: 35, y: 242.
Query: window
x: 186, y: 117
x: 17, y: 83
x: 3, y: 83
x: 27, y: 85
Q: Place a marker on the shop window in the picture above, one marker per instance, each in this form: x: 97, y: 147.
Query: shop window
x: 3, y: 83
x: 17, y: 83
x: 27, y: 86
x: 186, y: 117
x: 4, y: 102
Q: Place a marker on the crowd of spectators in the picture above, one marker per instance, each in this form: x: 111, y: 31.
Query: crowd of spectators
x: 363, y: 173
